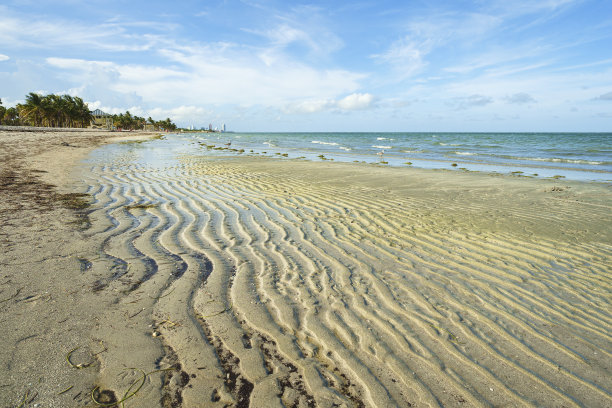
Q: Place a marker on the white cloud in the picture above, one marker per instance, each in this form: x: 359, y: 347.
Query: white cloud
x: 310, y: 106
x: 356, y: 101
x: 352, y: 102
x: 405, y: 56
x: 197, y: 79
x: 4, y: 57
x: 79, y: 64
x: 41, y: 32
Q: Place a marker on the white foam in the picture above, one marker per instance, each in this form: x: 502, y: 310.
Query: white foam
x: 382, y: 147
x: 325, y: 143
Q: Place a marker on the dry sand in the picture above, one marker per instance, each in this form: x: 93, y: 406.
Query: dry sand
x: 267, y: 283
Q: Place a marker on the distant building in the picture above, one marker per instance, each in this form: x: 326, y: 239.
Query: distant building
x: 210, y: 127
x: 101, y: 120
x: 223, y: 128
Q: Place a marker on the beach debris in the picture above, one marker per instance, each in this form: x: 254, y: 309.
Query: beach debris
x: 66, y: 390
x: 140, y: 206
x: 137, y: 313
x: 104, y: 348
x: 169, y: 322
x: 77, y: 366
x: 162, y: 296
x: 107, y: 398
x: 452, y: 338
x: 74, y: 201
x: 217, y: 313
x: 12, y: 297
x: 454, y: 164
x: 23, y: 401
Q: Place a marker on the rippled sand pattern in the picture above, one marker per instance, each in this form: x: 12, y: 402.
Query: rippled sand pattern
x: 272, y: 289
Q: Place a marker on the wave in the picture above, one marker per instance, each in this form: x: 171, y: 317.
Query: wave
x: 382, y: 147
x: 554, y: 160
x: 325, y: 143
x: 383, y: 138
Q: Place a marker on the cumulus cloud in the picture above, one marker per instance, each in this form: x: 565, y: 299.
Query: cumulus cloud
x: 519, y: 98
x: 197, y: 78
x: 3, y: 57
x: 352, y: 102
x: 356, y: 101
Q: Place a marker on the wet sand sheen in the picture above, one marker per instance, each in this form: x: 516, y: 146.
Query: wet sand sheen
x: 277, y: 283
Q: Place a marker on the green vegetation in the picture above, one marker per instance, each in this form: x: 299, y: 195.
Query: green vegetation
x: 49, y: 110
x: 70, y: 111
x: 126, y: 121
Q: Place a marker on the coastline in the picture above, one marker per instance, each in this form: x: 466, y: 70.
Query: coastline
x: 290, y: 282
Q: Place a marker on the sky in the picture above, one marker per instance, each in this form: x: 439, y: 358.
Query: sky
x: 361, y: 65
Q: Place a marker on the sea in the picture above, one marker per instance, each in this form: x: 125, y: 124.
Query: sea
x: 574, y: 156
x: 571, y: 156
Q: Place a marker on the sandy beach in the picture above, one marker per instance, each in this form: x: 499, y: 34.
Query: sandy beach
x: 245, y: 281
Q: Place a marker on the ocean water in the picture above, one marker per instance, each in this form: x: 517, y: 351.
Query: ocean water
x: 574, y: 156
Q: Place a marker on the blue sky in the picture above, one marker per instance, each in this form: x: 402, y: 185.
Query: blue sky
x: 381, y: 65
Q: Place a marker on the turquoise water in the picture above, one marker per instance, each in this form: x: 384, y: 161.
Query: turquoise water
x: 572, y: 156
x: 577, y: 156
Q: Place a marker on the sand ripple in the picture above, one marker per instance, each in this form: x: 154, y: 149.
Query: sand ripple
x: 274, y: 289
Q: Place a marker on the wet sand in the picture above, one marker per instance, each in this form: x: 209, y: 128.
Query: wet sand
x: 210, y: 282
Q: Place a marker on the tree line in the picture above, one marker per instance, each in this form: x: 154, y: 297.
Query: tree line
x: 68, y: 111
x: 128, y: 122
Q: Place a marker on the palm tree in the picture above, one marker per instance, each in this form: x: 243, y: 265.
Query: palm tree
x: 82, y: 112
x: 11, y: 116
x: 69, y: 112
x: 33, y: 110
